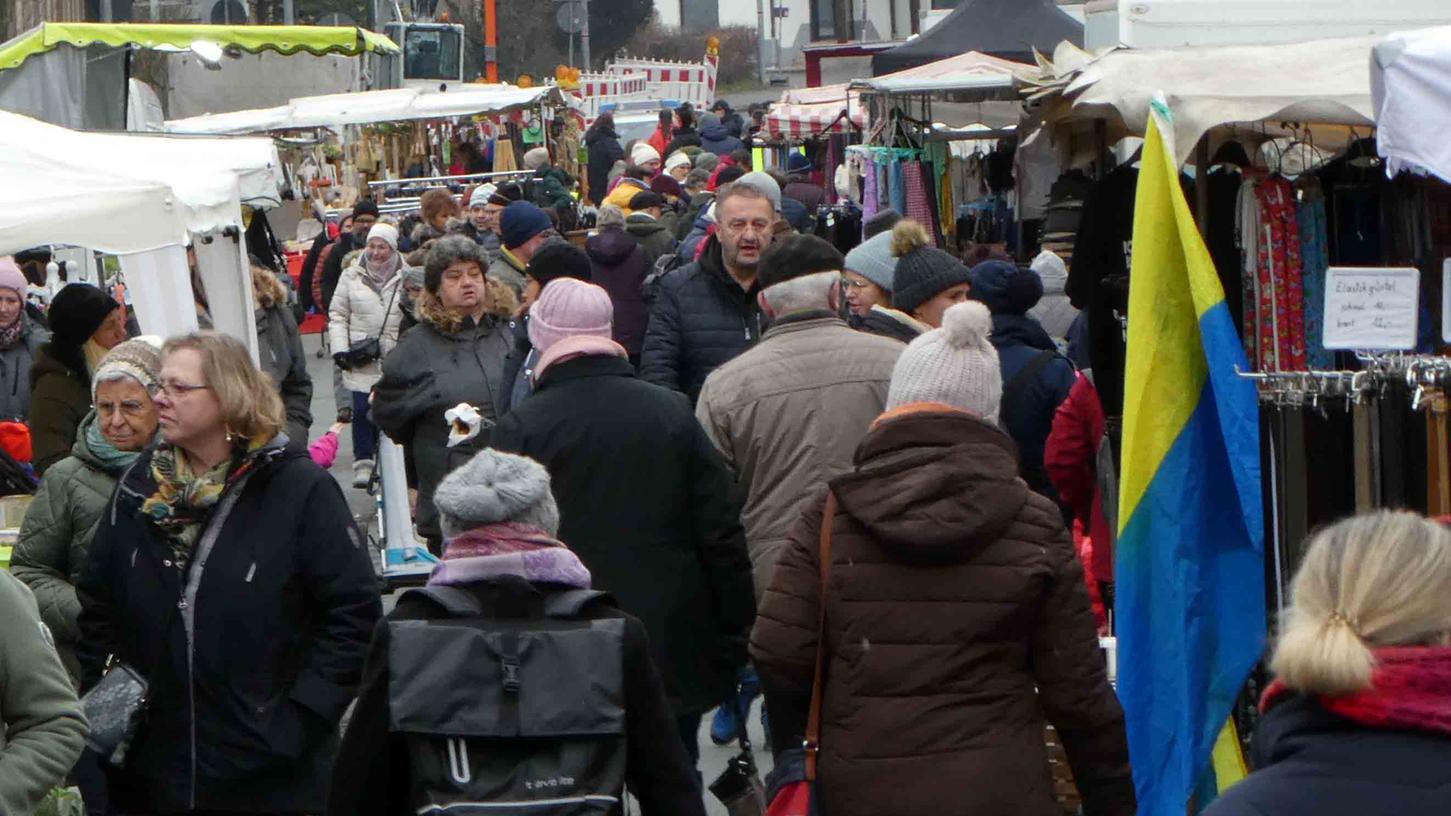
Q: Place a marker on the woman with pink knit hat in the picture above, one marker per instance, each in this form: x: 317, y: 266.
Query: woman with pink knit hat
x: 20, y: 337
x: 644, y: 499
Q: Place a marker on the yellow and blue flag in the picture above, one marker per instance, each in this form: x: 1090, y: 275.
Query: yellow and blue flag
x: 1190, y: 602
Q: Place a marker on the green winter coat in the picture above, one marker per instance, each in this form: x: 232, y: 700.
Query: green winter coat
x: 43, y: 727
x: 60, y: 396
x: 56, y: 536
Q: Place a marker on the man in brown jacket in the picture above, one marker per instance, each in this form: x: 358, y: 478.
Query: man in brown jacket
x: 788, y: 414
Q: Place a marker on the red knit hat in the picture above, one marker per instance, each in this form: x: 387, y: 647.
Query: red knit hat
x: 15, y: 440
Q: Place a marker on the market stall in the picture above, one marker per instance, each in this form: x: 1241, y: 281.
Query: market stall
x: 144, y: 199
x: 77, y: 74
x: 932, y: 149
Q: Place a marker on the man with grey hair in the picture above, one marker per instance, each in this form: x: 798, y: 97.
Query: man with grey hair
x: 787, y: 415
x: 705, y: 313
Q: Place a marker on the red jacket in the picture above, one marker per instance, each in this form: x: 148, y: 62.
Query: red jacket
x: 659, y: 140
x: 1069, y: 458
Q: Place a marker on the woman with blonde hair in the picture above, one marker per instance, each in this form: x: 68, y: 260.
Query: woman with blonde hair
x: 1358, y: 720
x: 227, y: 571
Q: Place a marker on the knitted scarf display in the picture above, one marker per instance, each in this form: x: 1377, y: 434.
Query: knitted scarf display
x: 1411, y: 689
x: 509, y: 548
x: 183, y: 500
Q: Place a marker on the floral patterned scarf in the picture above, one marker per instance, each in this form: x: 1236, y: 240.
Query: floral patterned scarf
x: 10, y: 335
x: 183, y: 501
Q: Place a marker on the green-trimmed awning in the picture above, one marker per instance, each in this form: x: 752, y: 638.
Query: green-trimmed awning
x: 317, y: 40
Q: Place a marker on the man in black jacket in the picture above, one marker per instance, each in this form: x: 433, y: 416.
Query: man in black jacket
x: 705, y: 313
x: 365, y: 215
x: 644, y: 498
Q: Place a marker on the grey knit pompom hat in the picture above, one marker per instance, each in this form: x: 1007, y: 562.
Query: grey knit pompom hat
x: 495, y: 487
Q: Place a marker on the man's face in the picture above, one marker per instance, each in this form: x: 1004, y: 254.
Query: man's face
x: 361, y: 225
x: 527, y: 249
x: 491, y: 217
x: 744, y: 226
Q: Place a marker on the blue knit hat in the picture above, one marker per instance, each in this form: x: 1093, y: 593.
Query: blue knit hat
x: 521, y: 221
x: 798, y: 163
x: 1005, y: 288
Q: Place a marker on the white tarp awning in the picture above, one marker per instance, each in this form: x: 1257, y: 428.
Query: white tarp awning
x: 1411, y: 85
x: 969, y: 77
x: 366, y: 107
x: 1324, y: 82
x: 120, y: 193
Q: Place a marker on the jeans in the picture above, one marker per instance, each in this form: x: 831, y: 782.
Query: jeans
x: 365, y: 434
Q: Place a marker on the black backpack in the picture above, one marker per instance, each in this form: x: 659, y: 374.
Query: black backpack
x: 519, y: 708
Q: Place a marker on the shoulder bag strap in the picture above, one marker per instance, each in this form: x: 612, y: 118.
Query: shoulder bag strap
x: 1014, y: 388
x: 812, y: 744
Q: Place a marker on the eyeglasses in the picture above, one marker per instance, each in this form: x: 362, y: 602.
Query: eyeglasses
x: 855, y: 284
x: 173, y: 389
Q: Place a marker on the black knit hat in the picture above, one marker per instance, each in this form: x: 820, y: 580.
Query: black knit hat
x: 366, y: 206
x: 797, y: 256
x: 506, y: 194
x: 645, y: 199
x: 923, y: 270
x: 881, y: 222
x: 77, y: 311
x: 558, y: 259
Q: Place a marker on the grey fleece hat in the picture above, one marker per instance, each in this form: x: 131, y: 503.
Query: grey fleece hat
x: 873, y: 260
x: 763, y: 182
x: 494, y: 487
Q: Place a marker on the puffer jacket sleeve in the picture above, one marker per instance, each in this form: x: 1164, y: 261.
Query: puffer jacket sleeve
x: 42, y: 555
x: 339, y: 315
x: 1072, y: 680
x: 53, y: 421
x: 1069, y: 453
x: 44, y: 726
x: 296, y: 385
x: 660, y: 354
x: 393, y: 320
x: 721, y: 548
x: 99, y: 635
x: 338, y: 571
x: 405, y: 392
x: 783, y: 642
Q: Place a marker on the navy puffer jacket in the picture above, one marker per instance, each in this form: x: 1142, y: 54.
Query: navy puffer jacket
x: 1313, y: 761
x: 700, y: 318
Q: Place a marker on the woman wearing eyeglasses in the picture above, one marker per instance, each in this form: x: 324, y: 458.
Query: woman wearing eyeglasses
x: 62, y: 519
x: 228, y: 572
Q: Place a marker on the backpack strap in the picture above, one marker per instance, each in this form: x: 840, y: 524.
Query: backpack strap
x: 1014, y: 388
x: 571, y: 603
x: 458, y: 603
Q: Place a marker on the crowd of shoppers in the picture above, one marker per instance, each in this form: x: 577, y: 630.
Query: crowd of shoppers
x: 713, y: 457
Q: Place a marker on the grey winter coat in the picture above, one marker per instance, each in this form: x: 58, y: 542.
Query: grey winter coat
x: 56, y: 537
x: 15, y: 371
x: 438, y: 364
x: 280, y: 355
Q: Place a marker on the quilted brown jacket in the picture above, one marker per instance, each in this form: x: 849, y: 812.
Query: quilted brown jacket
x: 956, y: 624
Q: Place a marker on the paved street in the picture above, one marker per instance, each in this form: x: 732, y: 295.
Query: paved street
x: 713, y: 759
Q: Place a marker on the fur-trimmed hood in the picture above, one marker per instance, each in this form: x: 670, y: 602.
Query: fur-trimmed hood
x: 430, y: 309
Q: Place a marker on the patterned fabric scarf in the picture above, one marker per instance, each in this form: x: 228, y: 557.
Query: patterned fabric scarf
x: 10, y: 335
x: 509, y: 548
x: 183, y: 501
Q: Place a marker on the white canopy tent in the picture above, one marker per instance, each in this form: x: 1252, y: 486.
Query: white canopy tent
x: 969, y: 77
x: 138, y: 197
x: 1411, y: 86
x: 338, y: 110
x: 1322, y: 82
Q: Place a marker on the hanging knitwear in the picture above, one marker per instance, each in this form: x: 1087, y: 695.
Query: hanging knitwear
x: 870, y: 203
x: 1247, y: 235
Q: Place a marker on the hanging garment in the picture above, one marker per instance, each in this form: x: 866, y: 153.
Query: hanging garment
x: 870, y: 201
x: 898, y: 185
x: 1315, y: 260
x: 1282, y: 297
x: 1438, y: 455
x: 1247, y: 231
x: 918, y: 203
x: 504, y: 155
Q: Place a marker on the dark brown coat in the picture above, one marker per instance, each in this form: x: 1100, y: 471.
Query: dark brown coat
x: 957, y: 622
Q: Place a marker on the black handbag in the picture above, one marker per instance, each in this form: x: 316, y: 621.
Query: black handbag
x: 739, y: 786
x: 115, y: 708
